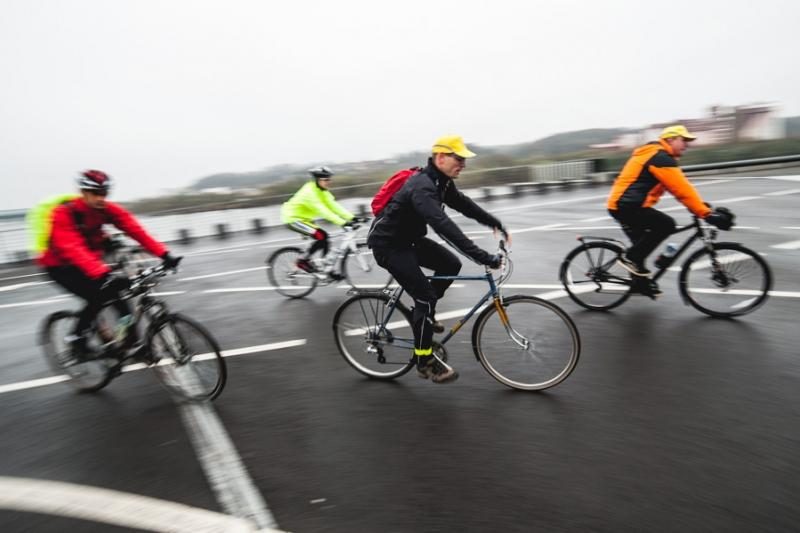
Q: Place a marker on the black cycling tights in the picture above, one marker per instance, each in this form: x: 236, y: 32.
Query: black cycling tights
x: 404, y: 264
x: 645, y: 227
x: 79, y: 284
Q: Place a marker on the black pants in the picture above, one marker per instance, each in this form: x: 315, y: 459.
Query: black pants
x: 645, y: 227
x: 319, y: 235
x: 406, y: 264
x: 75, y: 281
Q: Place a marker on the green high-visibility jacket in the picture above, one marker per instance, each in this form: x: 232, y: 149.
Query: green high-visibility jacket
x: 311, y: 202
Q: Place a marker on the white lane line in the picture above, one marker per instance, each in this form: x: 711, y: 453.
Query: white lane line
x: 56, y: 299
x: 596, y: 219
x: 748, y: 292
x: 228, y: 273
x: 23, y: 276
x: 34, y: 383
x: 793, y: 245
x: 113, y: 507
x: 235, y: 491
x: 736, y: 199
x: 23, y: 285
x: 711, y: 182
x: 782, y: 193
x: 536, y: 228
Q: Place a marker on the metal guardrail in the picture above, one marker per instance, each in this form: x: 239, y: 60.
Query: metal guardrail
x: 743, y: 163
x: 223, y: 223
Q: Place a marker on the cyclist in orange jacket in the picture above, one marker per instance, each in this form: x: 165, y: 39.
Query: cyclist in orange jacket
x: 651, y: 170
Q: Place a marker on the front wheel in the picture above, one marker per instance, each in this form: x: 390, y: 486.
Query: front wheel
x: 186, y: 358
x: 728, y: 280
x: 376, y: 344
x: 88, y: 372
x: 593, y: 279
x: 527, y: 343
x: 284, y: 274
x: 361, y: 270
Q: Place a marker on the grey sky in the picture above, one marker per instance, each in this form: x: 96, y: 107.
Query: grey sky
x: 161, y: 93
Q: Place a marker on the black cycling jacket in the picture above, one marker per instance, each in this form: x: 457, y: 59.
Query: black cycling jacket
x: 420, y: 203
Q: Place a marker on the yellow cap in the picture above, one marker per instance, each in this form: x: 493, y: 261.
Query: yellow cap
x: 451, y: 144
x: 678, y: 130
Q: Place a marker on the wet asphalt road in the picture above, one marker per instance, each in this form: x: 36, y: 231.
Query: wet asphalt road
x: 672, y: 420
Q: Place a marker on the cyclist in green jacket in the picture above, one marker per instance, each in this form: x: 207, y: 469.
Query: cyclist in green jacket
x: 314, y: 201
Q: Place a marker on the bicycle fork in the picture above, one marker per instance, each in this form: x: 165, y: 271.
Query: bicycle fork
x: 520, y: 340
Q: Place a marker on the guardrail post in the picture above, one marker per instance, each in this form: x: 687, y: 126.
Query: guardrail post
x: 222, y: 231
x: 361, y: 210
x: 258, y: 226
x: 184, y: 236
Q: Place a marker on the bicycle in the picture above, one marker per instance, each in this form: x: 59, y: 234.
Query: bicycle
x: 522, y: 341
x: 351, y: 261
x: 721, y: 279
x: 184, y: 355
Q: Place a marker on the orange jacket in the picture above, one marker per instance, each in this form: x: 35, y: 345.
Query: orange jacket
x: 650, y: 171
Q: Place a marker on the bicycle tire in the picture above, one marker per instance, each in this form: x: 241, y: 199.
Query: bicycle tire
x: 362, y: 272
x: 87, y: 376
x: 548, y: 358
x: 172, y: 343
x: 738, y: 284
x: 593, y: 279
x: 377, y: 355
x: 284, y: 275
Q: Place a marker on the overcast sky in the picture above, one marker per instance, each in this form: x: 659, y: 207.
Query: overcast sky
x: 161, y: 93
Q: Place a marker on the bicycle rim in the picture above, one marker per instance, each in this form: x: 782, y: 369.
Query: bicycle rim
x: 593, y: 279
x: 361, y: 270
x: 538, y: 350
x: 90, y: 375
x: 735, y: 281
x: 286, y: 277
x: 380, y: 353
x: 187, y: 358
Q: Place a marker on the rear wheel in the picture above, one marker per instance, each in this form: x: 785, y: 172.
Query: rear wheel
x: 88, y: 372
x: 361, y: 270
x: 187, y: 359
x: 373, y: 347
x: 729, y: 281
x: 592, y: 277
x: 284, y: 274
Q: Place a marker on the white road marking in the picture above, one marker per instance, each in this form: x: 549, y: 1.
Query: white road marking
x: 793, y: 245
x: 235, y: 491
x: 23, y: 285
x: 113, y: 507
x: 247, y: 350
x: 781, y: 193
x: 23, y: 276
x: 55, y: 299
x: 218, y: 274
x: 736, y: 199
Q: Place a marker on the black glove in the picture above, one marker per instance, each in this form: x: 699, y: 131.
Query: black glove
x: 114, y: 283
x: 721, y: 217
x: 170, y: 261
x: 350, y: 223
x: 495, y: 261
x: 362, y: 220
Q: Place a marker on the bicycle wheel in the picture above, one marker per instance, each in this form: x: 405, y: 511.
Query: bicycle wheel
x: 89, y: 375
x: 187, y: 358
x: 378, y: 352
x: 729, y: 281
x: 535, y: 348
x: 592, y: 277
x: 361, y: 270
x: 286, y: 277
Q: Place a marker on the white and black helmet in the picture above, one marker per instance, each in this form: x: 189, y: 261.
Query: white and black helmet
x: 320, y: 172
x: 94, y: 180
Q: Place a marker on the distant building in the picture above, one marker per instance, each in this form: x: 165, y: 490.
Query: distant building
x: 757, y: 122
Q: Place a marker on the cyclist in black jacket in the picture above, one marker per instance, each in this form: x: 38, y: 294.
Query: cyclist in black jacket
x: 398, y: 242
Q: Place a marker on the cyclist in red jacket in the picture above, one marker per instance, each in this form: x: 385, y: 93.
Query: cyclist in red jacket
x: 74, y: 257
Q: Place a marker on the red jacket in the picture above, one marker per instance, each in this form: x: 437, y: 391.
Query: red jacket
x: 83, y: 247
